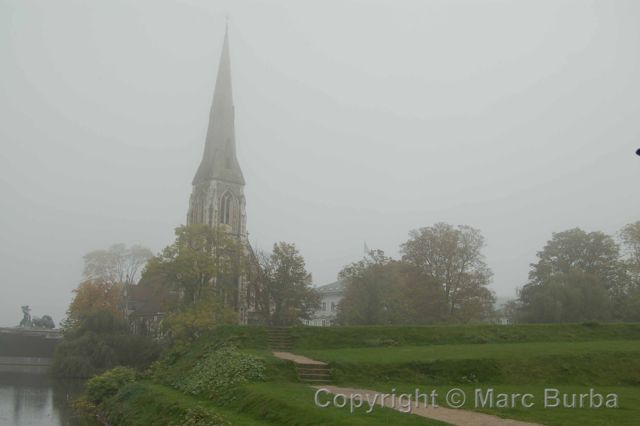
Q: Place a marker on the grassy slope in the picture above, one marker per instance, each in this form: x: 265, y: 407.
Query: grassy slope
x: 307, y: 338
x: 608, y: 364
x: 407, y: 354
x: 511, y: 358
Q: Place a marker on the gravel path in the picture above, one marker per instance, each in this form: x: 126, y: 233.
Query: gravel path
x: 452, y: 416
x: 457, y: 417
x: 298, y: 359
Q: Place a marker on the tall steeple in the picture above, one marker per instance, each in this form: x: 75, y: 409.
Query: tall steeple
x: 219, y: 160
x: 217, y: 197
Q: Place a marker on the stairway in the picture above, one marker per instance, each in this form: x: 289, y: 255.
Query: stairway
x: 313, y: 373
x: 308, y: 370
x: 280, y: 339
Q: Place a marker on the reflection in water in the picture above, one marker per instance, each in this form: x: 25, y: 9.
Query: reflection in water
x: 37, y: 399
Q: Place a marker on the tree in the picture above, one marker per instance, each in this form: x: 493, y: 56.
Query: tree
x: 285, y: 295
x: 201, y: 260
x: 381, y: 290
x: 101, y: 341
x: 191, y: 321
x: 628, y: 307
x: 452, y: 258
x: 118, y: 264
x: 93, y: 296
x: 576, y: 278
x: 369, y: 291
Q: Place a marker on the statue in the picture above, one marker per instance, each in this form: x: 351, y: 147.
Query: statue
x: 26, y: 319
x: 45, y: 322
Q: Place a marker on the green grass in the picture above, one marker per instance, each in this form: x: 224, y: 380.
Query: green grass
x: 293, y: 404
x: 275, y: 403
x: 407, y: 354
x: 144, y: 403
x: 380, y: 336
x: 574, y: 357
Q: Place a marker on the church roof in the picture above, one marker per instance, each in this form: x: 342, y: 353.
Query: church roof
x: 219, y: 159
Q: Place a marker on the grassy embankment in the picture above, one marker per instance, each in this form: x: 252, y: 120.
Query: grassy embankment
x: 510, y: 359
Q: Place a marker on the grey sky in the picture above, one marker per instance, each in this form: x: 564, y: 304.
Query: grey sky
x: 355, y: 120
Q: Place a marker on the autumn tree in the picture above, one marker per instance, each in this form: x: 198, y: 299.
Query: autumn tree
x: 285, y: 295
x: 451, y: 257
x: 95, y: 296
x: 105, y: 273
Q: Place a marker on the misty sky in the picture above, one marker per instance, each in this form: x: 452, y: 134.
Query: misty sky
x: 355, y: 121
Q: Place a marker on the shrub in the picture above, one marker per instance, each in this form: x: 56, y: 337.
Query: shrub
x: 107, y: 384
x: 221, y: 370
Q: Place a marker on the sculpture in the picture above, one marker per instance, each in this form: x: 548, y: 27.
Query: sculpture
x: 26, y: 319
x: 45, y: 322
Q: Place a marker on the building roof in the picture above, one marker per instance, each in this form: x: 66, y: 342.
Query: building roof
x: 335, y: 287
x: 219, y: 160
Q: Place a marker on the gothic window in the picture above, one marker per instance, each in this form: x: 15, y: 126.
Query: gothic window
x: 225, y: 208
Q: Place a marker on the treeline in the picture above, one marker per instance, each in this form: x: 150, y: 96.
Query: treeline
x: 441, y: 277
x: 583, y: 276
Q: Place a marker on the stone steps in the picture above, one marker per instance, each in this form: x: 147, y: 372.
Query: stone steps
x: 280, y: 339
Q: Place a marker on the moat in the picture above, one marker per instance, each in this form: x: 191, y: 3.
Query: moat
x: 37, y: 399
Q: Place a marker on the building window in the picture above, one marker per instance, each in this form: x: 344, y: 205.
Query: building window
x: 225, y: 208
x: 324, y: 306
x: 333, y: 307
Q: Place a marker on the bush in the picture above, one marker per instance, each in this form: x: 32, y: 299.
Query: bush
x: 107, y: 384
x: 219, y: 371
x: 99, y: 342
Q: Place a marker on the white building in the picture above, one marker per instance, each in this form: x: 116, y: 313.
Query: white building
x: 330, y: 296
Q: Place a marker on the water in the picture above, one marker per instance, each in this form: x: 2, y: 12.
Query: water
x: 37, y: 400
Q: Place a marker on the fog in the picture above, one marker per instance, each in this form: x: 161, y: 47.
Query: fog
x: 355, y: 121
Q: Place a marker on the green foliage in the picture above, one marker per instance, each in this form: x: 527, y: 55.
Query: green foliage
x: 200, y: 318
x: 579, y: 277
x: 99, y: 342
x: 142, y: 403
x: 285, y: 295
x: 442, y: 278
x: 219, y: 371
x: 200, y: 256
x: 108, y: 383
x: 380, y: 290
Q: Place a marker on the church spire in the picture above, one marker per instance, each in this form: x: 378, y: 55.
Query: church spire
x: 219, y: 160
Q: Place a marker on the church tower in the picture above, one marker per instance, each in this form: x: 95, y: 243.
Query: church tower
x: 217, y: 197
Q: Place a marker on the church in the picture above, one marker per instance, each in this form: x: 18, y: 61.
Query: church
x: 217, y: 196
x: 217, y: 199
